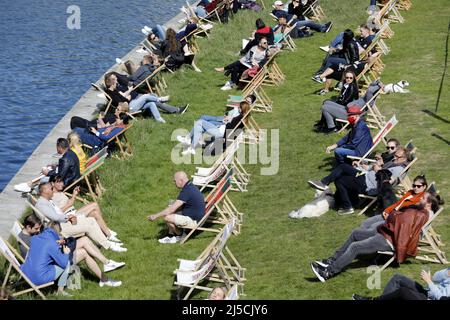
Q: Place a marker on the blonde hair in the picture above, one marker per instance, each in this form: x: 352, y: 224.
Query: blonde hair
x: 124, y: 106
x: 245, y: 108
x: 74, y: 139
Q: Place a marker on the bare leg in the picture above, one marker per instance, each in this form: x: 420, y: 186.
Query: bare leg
x: 173, y: 229
x: 81, y: 254
x: 93, y: 210
x: 86, y: 244
x: 197, y: 69
x: 327, y: 85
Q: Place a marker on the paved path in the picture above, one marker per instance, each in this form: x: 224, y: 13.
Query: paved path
x: 12, y: 205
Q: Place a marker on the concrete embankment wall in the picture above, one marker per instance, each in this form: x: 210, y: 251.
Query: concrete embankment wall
x: 12, y: 205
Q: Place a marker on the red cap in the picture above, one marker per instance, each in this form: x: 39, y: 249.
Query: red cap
x: 354, y: 109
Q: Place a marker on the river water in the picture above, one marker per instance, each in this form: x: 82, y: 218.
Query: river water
x: 46, y: 66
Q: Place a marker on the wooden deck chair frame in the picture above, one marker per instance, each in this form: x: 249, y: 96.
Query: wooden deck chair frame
x: 377, y: 42
x: 220, y: 257
x: 391, y: 254
x: 262, y: 103
x: 392, y: 13
x: 125, y: 149
x: 252, y: 131
x: 404, y: 5
x: 315, y: 11
x: 218, y: 200
x: 213, y: 14
x: 286, y: 40
x: 372, y: 71
x: 11, y: 256
x: 95, y: 188
x: 160, y: 85
x: 37, y: 212
x: 380, y: 136
x: 430, y: 243
x: 102, y: 90
x: 381, y: 17
x: 16, y: 229
x: 241, y: 177
x: 373, y: 117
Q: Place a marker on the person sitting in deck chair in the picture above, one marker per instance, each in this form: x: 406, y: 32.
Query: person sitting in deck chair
x: 400, y: 287
x: 357, y: 142
x: 77, y: 147
x: 92, y: 209
x: 98, y: 138
x: 103, y: 121
x: 338, y: 109
x: 399, y: 234
x: 216, y: 126
x: 218, y: 293
x: 150, y: 102
x: 68, y: 168
x: 351, y: 181
x: 190, y: 202
x: 262, y: 31
x: 32, y: 225
x: 72, y: 224
x: 255, y: 58
x: 296, y: 13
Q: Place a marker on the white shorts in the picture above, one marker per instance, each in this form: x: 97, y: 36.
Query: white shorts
x: 184, y: 221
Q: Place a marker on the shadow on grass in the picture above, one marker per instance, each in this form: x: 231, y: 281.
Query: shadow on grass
x: 328, y: 164
x: 434, y: 115
x: 440, y: 138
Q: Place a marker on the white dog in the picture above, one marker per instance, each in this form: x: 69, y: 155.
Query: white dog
x: 399, y: 87
x: 323, y: 201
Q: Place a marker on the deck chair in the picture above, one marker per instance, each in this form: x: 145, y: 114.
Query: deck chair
x: 90, y: 177
x: 41, y: 216
x: 377, y: 43
x: 381, y: 17
x: 404, y: 5
x: 214, y: 14
x: 392, y: 13
x: 120, y: 139
x: 381, y: 136
x: 232, y: 293
x: 373, y: 117
x: 390, y: 254
x: 15, y: 231
x: 215, y: 264
x: 219, y: 203
x: 372, y: 70
x: 254, y: 87
x: 251, y: 129
x: 12, y: 257
x: 157, y: 78
x: 286, y: 40
x: 209, y: 177
x: 101, y: 88
x: 315, y: 11
x: 430, y: 242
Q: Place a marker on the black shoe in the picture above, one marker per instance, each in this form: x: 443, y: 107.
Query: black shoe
x: 358, y: 297
x: 329, y: 130
x: 328, y: 25
x: 325, y: 262
x: 317, y: 184
x: 323, y: 274
x: 183, y: 109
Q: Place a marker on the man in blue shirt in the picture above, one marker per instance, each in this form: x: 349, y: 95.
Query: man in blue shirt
x: 190, y: 202
x: 357, y: 142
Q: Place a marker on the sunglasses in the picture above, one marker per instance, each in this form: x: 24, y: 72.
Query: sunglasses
x: 263, y: 42
x: 348, y: 77
x: 390, y: 148
x: 417, y: 185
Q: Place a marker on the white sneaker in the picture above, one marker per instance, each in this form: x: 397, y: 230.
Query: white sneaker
x: 22, y: 187
x: 227, y: 86
x: 161, y: 120
x: 294, y: 214
x: 113, y: 233
x: 113, y: 238
x: 170, y: 240
x: 141, y: 50
x: 184, y: 140
x: 148, y: 29
x: 116, y: 247
x: 164, y: 98
x: 325, y: 48
x: 145, y: 32
x: 112, y: 265
x: 110, y: 283
x: 188, y: 151
x: 119, y: 61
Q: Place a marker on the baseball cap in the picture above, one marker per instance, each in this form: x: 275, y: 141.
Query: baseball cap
x: 354, y: 109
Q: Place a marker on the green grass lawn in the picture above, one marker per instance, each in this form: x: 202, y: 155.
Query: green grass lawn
x: 275, y: 249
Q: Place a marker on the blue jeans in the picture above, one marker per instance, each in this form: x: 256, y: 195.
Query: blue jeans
x: 217, y: 120
x: 202, y: 126
x: 338, y: 40
x: 89, y: 138
x: 62, y: 274
x: 311, y: 24
x: 201, y: 12
x: 334, y: 61
x: 159, y: 31
x: 146, y: 101
x: 341, y: 153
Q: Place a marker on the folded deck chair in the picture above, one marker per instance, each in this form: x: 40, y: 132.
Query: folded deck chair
x: 215, y: 264
x: 15, y: 231
x: 315, y: 11
x: 218, y: 209
x: 12, y: 258
x: 101, y: 88
x: 90, y: 177
x: 391, y: 11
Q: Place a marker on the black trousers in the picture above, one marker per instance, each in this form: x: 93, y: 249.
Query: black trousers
x: 400, y: 287
x: 236, y: 70
x: 78, y: 122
